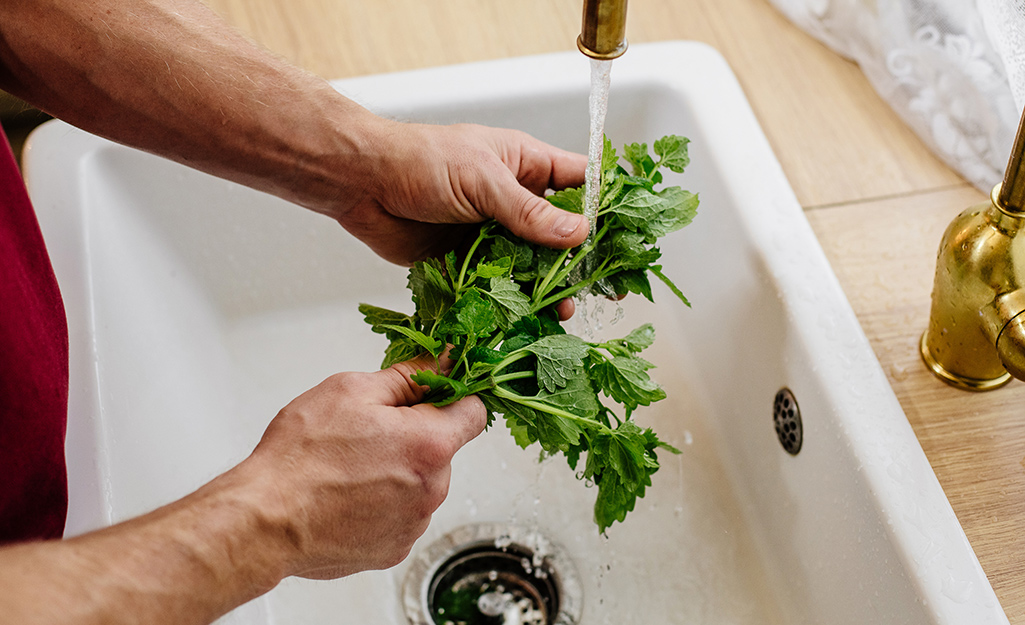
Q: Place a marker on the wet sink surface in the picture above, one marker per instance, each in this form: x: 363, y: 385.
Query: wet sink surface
x: 198, y: 308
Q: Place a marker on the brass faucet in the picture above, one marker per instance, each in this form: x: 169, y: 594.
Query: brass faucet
x: 603, y: 34
x: 976, y: 334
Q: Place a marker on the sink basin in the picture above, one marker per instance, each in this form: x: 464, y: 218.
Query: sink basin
x: 197, y: 308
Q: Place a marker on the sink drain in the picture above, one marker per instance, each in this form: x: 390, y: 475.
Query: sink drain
x: 492, y: 574
x: 787, y: 418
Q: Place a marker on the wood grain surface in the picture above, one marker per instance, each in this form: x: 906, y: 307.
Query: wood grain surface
x: 877, y: 199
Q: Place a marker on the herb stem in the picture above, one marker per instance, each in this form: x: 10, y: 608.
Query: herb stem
x: 570, y: 290
x: 552, y: 272
x: 546, y: 286
x: 469, y: 256
x: 511, y: 358
x: 541, y: 406
x: 518, y: 375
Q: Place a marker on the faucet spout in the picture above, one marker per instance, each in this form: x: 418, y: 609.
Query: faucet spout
x: 976, y: 334
x: 603, y: 33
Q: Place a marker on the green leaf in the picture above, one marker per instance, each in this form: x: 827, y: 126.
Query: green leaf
x: 522, y: 333
x: 672, y: 152
x: 444, y: 390
x: 628, y: 250
x: 521, y: 253
x: 521, y: 420
x: 641, y: 338
x: 571, y: 200
x: 432, y: 293
x: 379, y: 318
x: 628, y: 457
x: 637, y: 207
x: 450, y: 265
x: 644, y: 167
x: 557, y: 433
x: 400, y: 349
x: 625, y: 379
x: 482, y: 360
x: 609, y: 160
x: 678, y: 209
x: 657, y: 270
x: 637, y: 341
x: 432, y: 345
x: 489, y: 270
x: 637, y: 155
x: 577, y: 397
x: 632, y: 281
x: 512, y: 304
x: 553, y: 432
x: 560, y: 357
x: 621, y: 464
x: 471, y: 315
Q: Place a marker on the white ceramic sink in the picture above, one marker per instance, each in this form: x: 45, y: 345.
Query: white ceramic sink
x: 197, y: 308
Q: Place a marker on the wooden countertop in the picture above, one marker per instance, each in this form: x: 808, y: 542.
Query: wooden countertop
x: 877, y: 199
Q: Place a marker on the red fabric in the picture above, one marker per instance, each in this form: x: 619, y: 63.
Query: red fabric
x: 33, y: 371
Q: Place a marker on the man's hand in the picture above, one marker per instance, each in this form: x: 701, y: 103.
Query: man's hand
x: 354, y: 468
x: 170, y: 77
x: 426, y: 184
x: 345, y: 479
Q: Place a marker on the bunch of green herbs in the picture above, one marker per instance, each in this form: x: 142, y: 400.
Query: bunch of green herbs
x: 494, y: 309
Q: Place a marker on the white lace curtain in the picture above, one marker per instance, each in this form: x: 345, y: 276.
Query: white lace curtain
x: 953, y: 69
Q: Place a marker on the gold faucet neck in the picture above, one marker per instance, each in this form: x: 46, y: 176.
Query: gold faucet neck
x: 1010, y: 198
x: 603, y: 33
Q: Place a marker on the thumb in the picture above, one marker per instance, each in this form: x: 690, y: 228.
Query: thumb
x: 531, y: 217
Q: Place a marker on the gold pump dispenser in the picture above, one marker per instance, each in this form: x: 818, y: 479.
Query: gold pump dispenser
x: 603, y: 33
x: 976, y: 334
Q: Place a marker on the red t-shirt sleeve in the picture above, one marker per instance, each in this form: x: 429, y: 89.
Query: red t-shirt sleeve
x: 33, y: 371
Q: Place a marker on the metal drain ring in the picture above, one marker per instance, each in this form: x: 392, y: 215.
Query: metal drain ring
x: 425, y: 567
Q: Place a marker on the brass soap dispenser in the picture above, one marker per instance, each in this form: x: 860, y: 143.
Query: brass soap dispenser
x: 976, y: 334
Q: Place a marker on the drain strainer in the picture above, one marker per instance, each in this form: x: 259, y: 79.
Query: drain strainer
x: 787, y: 418
x: 492, y: 574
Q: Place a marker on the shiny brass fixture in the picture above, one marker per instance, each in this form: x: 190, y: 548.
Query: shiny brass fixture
x: 603, y: 34
x: 976, y: 334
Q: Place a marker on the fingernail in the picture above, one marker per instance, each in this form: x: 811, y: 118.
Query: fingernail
x: 566, y: 224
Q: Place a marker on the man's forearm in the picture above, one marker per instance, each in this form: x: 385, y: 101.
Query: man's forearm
x: 188, y: 562
x: 170, y: 77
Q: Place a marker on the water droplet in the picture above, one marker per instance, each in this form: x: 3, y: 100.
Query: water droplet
x: 898, y: 372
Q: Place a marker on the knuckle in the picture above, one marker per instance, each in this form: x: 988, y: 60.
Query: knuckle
x: 437, y: 495
x: 432, y: 453
x: 345, y: 382
x: 531, y: 211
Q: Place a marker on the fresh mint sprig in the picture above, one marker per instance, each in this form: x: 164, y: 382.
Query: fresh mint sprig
x: 495, y: 307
